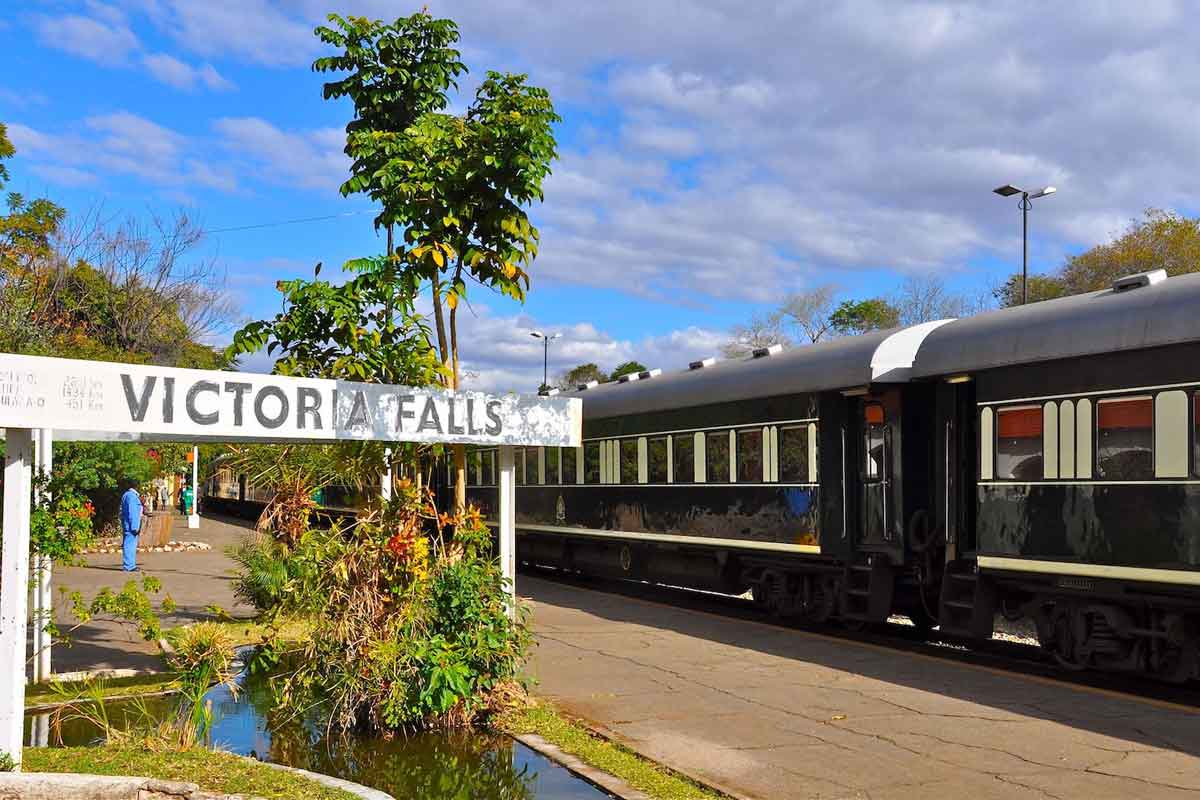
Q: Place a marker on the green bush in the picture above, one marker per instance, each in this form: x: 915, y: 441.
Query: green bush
x: 262, y: 578
x: 411, y: 624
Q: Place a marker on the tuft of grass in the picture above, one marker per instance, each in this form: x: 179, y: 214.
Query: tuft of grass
x: 38, y: 694
x: 252, y: 631
x: 213, y: 771
x: 641, y: 773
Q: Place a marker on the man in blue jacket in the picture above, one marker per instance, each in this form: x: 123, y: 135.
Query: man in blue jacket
x: 131, y: 523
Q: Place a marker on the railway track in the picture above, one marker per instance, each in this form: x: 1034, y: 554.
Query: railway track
x: 1006, y: 656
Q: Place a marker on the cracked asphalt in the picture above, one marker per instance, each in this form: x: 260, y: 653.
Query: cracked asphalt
x: 766, y: 712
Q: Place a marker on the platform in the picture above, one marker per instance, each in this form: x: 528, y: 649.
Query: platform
x: 768, y: 712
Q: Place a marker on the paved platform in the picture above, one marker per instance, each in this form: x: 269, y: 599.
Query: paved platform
x: 195, y: 580
x: 768, y: 712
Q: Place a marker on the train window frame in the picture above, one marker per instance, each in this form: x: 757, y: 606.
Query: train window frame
x: 757, y: 476
x: 687, y: 443
x: 716, y: 438
x: 592, y: 477
x: 573, y: 472
x: 651, y: 444
x: 805, y: 428
x: 1010, y: 476
x: 626, y: 473
x: 1124, y: 398
x: 1195, y: 426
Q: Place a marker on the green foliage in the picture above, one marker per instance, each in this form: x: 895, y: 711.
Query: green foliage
x: 202, y: 656
x: 581, y: 374
x: 263, y: 574
x: 131, y: 605
x: 60, y: 521
x: 456, y: 185
x: 365, y: 329
x: 411, y: 628
x: 102, y: 471
x: 628, y: 368
x: 7, y: 764
x: 1041, y: 287
x: 860, y: 316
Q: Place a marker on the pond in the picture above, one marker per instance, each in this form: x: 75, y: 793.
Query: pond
x: 436, y: 766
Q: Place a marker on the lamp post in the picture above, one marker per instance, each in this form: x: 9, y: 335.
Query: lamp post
x: 546, y: 339
x: 1008, y: 190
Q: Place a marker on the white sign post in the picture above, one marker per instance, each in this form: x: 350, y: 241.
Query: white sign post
x: 90, y: 400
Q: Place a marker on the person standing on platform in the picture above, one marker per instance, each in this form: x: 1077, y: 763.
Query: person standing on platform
x: 131, y: 523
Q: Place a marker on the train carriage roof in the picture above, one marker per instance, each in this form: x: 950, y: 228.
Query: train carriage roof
x: 1163, y: 313
x: 880, y: 356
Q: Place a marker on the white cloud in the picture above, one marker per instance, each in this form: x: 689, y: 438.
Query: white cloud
x: 181, y: 75
x: 104, y: 41
x: 500, y: 354
x: 64, y: 175
x: 308, y: 159
x: 121, y: 143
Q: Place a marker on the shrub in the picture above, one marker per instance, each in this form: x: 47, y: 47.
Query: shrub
x: 262, y: 578
x: 412, y: 628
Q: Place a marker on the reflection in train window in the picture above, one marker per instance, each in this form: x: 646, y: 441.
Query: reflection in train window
x: 1125, y: 439
x: 591, y: 462
x: 1019, y: 443
x: 488, y: 474
x: 716, y: 450
x: 569, y: 473
x: 656, y: 459
x: 629, y: 461
x: 519, y: 464
x: 750, y: 456
x: 684, y: 458
x: 793, y: 454
x: 1196, y: 434
x: 551, y: 455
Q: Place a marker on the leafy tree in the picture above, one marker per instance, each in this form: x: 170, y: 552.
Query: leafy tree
x: 102, y: 470
x: 628, y: 368
x: 860, y: 316
x: 1041, y: 287
x: 365, y: 329
x: 584, y: 373
x: 1159, y: 240
x: 457, y: 185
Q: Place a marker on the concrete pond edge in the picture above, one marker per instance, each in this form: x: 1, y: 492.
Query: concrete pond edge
x: 328, y: 781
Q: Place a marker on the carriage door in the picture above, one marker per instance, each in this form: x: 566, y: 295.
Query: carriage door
x: 875, y: 471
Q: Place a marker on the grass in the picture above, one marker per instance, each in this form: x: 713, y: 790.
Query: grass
x: 212, y: 771
x: 641, y: 773
x: 251, y: 631
x: 38, y: 694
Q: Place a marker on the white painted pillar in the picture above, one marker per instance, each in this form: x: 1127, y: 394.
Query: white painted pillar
x: 508, y: 524
x: 43, y: 596
x: 385, y: 480
x: 14, y: 587
x: 194, y: 517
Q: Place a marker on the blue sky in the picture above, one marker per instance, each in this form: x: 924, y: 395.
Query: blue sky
x: 715, y: 155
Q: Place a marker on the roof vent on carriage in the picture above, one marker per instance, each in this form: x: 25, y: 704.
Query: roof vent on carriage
x: 628, y: 377
x: 1139, y: 280
x: 590, y: 384
x: 702, y: 363
x: 548, y: 392
x: 763, y: 352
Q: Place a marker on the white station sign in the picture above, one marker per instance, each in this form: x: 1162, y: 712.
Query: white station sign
x: 94, y: 399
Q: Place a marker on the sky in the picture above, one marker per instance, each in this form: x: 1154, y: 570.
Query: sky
x: 714, y: 155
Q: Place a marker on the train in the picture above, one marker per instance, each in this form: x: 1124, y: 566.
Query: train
x: 1038, y: 462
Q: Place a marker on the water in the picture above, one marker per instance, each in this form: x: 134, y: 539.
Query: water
x: 437, y: 766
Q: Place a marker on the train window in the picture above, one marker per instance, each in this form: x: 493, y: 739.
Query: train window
x: 875, y: 450
x: 550, y: 458
x: 716, y: 452
x: 569, y: 474
x: 488, y: 465
x: 591, y: 462
x: 629, y: 461
x: 1125, y: 438
x: 793, y: 454
x: 1171, y: 434
x: 1196, y: 433
x: 684, y: 458
x: 750, y: 456
x: 656, y: 460
x: 1019, y: 443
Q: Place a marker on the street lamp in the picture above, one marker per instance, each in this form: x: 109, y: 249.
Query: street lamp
x: 1008, y: 190
x: 546, y: 339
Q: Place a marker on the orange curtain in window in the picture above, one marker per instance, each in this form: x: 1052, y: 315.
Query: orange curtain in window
x: 1126, y: 414
x: 1019, y: 423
